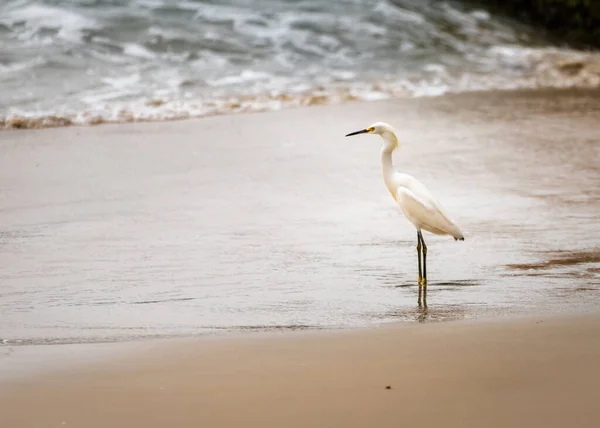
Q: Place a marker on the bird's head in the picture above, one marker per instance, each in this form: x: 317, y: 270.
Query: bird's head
x: 379, y: 128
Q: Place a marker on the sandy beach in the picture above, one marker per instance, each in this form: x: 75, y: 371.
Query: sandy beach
x: 238, y: 224
x: 537, y: 371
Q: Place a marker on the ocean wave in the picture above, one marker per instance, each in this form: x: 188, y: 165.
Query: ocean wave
x: 88, y: 62
x: 547, y: 68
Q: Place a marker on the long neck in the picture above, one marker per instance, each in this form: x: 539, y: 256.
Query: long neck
x: 387, y: 168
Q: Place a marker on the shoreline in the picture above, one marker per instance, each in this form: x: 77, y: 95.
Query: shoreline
x: 525, y: 370
x: 26, y: 123
x: 22, y: 362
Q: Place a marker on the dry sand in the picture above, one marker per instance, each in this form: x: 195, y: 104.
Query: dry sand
x: 528, y: 372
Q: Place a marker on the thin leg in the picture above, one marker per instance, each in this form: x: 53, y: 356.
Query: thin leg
x: 424, y: 261
x: 424, y: 277
x: 422, y: 290
x: 419, y: 256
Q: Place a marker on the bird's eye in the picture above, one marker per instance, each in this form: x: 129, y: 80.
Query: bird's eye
x: 371, y: 129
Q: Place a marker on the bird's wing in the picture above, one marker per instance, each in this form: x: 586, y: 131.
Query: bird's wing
x: 424, y: 211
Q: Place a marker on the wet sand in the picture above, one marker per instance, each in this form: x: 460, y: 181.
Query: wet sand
x: 276, y: 221
x: 540, y: 371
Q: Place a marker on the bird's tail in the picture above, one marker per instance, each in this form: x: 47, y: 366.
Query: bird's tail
x: 456, y: 233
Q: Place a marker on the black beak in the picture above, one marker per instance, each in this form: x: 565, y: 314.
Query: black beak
x: 362, y: 131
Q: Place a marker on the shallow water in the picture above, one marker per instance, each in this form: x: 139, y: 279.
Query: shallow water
x: 276, y: 221
x: 68, y: 62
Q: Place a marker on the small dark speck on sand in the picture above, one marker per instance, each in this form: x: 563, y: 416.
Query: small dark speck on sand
x: 388, y: 387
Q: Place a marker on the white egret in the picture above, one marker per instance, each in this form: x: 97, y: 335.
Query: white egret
x: 416, y: 202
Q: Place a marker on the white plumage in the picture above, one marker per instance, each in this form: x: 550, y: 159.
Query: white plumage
x: 422, y: 209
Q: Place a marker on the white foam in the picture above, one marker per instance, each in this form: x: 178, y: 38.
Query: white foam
x: 435, y: 68
x: 188, y: 5
x: 343, y: 75
x: 101, y: 97
x: 150, y: 4
x: 217, y: 13
x: 399, y: 13
x: 244, y: 77
x: 122, y: 82
x: 35, y: 17
x: 138, y: 51
x: 481, y: 15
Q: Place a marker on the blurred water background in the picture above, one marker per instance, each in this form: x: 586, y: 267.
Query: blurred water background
x: 95, y: 61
